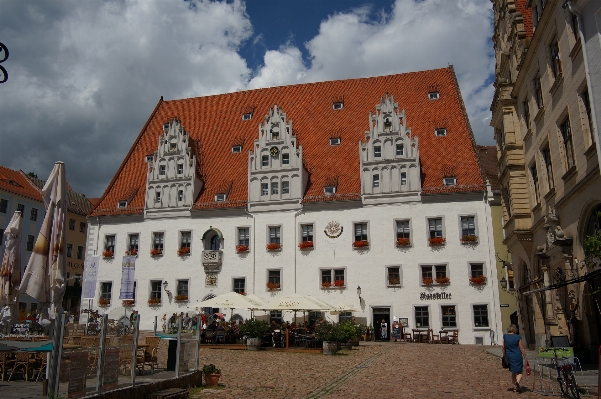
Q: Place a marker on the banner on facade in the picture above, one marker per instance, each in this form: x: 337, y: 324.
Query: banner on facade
x: 90, y: 276
x: 127, y: 277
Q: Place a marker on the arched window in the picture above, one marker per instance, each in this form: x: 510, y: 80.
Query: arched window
x: 212, y: 239
x: 593, y: 224
x: 215, y: 241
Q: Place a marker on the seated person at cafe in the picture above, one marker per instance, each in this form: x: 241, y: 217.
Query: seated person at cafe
x: 212, y: 326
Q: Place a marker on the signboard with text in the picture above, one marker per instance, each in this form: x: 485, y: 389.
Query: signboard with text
x: 90, y: 276
x: 127, y: 278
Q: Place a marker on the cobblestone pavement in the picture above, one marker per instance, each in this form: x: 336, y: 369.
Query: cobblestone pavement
x: 372, y: 370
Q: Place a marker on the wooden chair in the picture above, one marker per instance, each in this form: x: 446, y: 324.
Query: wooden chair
x: 125, y: 357
x: 209, y: 336
x: 415, y: 337
x: 42, y: 359
x: 24, y: 361
x: 151, y: 352
x: 219, y: 336
x: 434, y: 338
x: 454, y: 337
x: 6, y: 362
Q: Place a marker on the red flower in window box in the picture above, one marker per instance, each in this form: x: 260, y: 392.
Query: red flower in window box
x: 108, y: 254
x: 183, y: 251
x: 272, y: 246
x: 443, y: 280
x: 339, y: 283
x: 273, y: 286
x: 469, y: 239
x: 427, y: 281
x: 242, y: 293
x: 403, y: 242
x: 128, y: 303
x: 437, y: 241
x: 156, y: 252
x: 326, y: 284
x: 394, y: 281
x: 479, y: 280
x: 181, y: 297
x: 305, y: 244
x: 104, y: 302
x: 241, y: 248
x: 132, y: 252
x: 154, y: 301
x: 361, y: 244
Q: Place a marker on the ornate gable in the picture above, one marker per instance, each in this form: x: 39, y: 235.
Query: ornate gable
x: 172, y: 183
x: 390, y: 169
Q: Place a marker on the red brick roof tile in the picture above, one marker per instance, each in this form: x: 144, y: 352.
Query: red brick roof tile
x: 16, y: 182
x: 215, y: 124
x: 488, y: 161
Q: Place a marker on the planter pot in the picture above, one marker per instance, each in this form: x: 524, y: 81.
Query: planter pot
x: 253, y: 344
x: 354, y: 341
x: 212, y: 379
x: 330, y: 348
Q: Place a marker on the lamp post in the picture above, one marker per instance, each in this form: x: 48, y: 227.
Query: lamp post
x: 165, y: 284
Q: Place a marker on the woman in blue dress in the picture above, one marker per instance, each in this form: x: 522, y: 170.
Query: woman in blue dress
x: 515, y: 353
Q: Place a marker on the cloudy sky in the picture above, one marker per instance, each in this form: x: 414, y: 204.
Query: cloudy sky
x: 84, y: 76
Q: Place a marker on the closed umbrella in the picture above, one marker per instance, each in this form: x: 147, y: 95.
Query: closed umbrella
x: 10, y: 271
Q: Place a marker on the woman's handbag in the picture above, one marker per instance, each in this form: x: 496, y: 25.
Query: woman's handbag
x: 505, y: 362
x: 528, y: 371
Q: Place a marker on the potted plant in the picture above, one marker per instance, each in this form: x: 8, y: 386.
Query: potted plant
x: 254, y: 330
x: 273, y: 246
x: 181, y: 298
x: 107, y: 254
x: 128, y: 303
x: 131, y: 252
x: 437, y: 241
x: 212, y: 374
x: 478, y: 280
x: 469, y: 239
x: 241, y: 248
x: 361, y: 244
x: 273, y: 286
x: 154, y: 301
x: 183, y: 251
x: 156, y: 252
x: 427, y: 281
x: 326, y: 284
x: 403, y: 242
x: 394, y: 281
x: 305, y: 245
x: 339, y: 283
x: 443, y: 280
x: 104, y: 302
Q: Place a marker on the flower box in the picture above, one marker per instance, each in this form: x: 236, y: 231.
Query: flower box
x: 339, y: 283
x: 325, y: 285
x: 437, y: 241
x: 469, y: 239
x: 104, y: 302
x: 242, y: 293
x: 181, y: 298
x: 156, y: 252
x: 132, y: 252
x: 183, y: 251
x: 361, y: 244
x: 443, y: 280
x: 273, y: 246
x: 427, y: 281
x: 394, y: 281
x: 154, y: 301
x: 403, y: 242
x: 241, y: 248
x: 273, y: 286
x: 128, y: 303
x: 108, y: 254
x: 479, y: 280
x: 305, y: 245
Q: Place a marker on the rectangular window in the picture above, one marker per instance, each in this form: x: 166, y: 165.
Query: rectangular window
x: 435, y: 227
x: 21, y: 208
x: 157, y: 196
x: 441, y: 131
x: 34, y: 214
x: 122, y: 204
x: 158, y: 241
x: 546, y: 152
x: 326, y: 276
x: 276, y: 315
x: 307, y: 232
x: 82, y: 227
x: 376, y: 180
x: 240, y: 285
x: 476, y: 269
x: 247, y: 116
x: 534, y: 176
x: 441, y: 271
x: 274, y: 276
x: 182, y: 287
x: 285, y: 159
x: 134, y: 240
x: 400, y: 150
x: 264, y: 189
x: 427, y: 272
x: 433, y: 95
x: 274, y: 235
x: 587, y: 107
x: 339, y: 277
x: 180, y: 168
x: 71, y: 224
x: 402, y: 229
x: 1, y: 237
x: 275, y: 188
x: 243, y: 236
x: 220, y: 198
x: 328, y: 190
x: 106, y: 290
x: 394, y: 275
x: 79, y: 252
x: 538, y: 91
x: 109, y: 243
x: 344, y: 317
x: 360, y: 231
x: 422, y: 317
x: 236, y: 149
x: 186, y: 239
x: 377, y: 151
x: 180, y: 195
x: 449, y: 316
x: 555, y: 61
x: 155, y: 289
x: 480, y: 315
x: 526, y: 113
x: 69, y: 250
x: 265, y: 160
x: 30, y: 242
x: 335, y: 141
x: 403, y: 178
x: 468, y: 226
x: 333, y: 277
x: 162, y: 170
x: 285, y: 187
x: 449, y: 181
x: 3, y: 205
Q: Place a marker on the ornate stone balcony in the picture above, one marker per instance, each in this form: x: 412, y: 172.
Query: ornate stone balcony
x: 211, y: 260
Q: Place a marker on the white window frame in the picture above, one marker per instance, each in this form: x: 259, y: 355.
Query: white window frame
x: 335, y: 141
x: 281, y: 238
x: 180, y: 195
x: 433, y: 266
x: 403, y: 178
x: 180, y: 166
x: 395, y: 229
x: 376, y: 180
x: 157, y: 196
x: 128, y: 243
x: 238, y: 228
x: 264, y: 158
x: 469, y: 267
x: 285, y: 187
x: 337, y: 105
x: 428, y: 218
x: 461, y: 224
x: 329, y: 190
x: 378, y: 151
x: 401, y: 147
x: 449, y: 181
x: 236, y: 149
x: 332, y: 271
x: 275, y: 188
x: 121, y: 204
x: 285, y: 158
x: 247, y: 116
x: 301, y: 236
x: 181, y: 239
x: 162, y: 170
x: 152, y: 243
x: 160, y: 291
x: 488, y: 314
x: 440, y: 131
x: 433, y: 95
x: 177, y: 286
x: 267, y: 278
x: 264, y: 189
x: 110, y: 293
x: 354, y: 236
x: 388, y: 267
x: 220, y: 197
x: 456, y: 316
x: 106, y: 247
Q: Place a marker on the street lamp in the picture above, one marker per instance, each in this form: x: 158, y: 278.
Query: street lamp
x: 359, y: 292
x: 165, y: 284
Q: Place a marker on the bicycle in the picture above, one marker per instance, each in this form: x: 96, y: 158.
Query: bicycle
x: 565, y: 376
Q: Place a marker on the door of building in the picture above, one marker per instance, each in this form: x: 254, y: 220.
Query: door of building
x: 380, y: 314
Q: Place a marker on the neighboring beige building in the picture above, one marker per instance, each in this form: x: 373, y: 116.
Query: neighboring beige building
x: 549, y: 169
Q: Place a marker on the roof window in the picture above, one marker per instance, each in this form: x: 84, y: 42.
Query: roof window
x: 122, y: 204
x: 335, y: 141
x: 450, y: 181
x: 149, y: 158
x: 236, y: 149
x: 338, y: 105
x: 329, y: 190
x: 433, y: 95
x: 441, y: 131
x: 247, y: 116
x: 220, y: 198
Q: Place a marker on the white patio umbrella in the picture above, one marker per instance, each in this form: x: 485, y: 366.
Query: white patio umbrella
x: 231, y: 300
x: 342, y: 308
x: 44, y: 277
x: 295, y: 302
x: 10, y: 271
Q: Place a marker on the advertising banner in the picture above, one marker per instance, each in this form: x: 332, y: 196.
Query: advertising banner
x: 90, y: 277
x: 127, y: 277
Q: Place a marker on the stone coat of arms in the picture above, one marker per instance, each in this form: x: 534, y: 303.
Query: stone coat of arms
x: 333, y: 229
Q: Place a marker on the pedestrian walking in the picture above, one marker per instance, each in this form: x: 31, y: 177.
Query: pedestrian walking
x: 515, y: 353
x: 384, y: 330
x: 164, y: 322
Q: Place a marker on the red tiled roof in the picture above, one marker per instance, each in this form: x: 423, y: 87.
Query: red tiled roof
x: 520, y: 6
x: 215, y: 124
x: 16, y: 182
x: 488, y: 161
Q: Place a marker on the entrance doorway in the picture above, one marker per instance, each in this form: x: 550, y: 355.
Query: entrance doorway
x: 380, y: 314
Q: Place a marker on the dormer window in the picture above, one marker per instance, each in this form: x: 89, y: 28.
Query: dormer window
x: 329, y: 190
x: 162, y: 170
x: 246, y: 117
x: 220, y: 198
x: 180, y: 168
x: 450, y: 181
x: 433, y: 95
x: 285, y: 159
x: 265, y: 160
x: 335, y: 141
x: 337, y: 105
x: 377, y: 151
x: 157, y: 196
x: 172, y: 146
x: 441, y: 131
x: 275, y: 131
x: 400, y: 149
x: 149, y: 158
x: 236, y: 148
x: 122, y: 204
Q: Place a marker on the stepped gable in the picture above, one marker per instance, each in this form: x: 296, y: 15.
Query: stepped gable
x: 17, y: 183
x: 215, y: 122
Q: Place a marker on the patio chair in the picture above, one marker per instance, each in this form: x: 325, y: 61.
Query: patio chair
x: 434, y: 338
x: 23, y: 361
x: 6, y: 362
x: 151, y: 352
x: 219, y: 336
x: 42, y: 358
x: 454, y: 337
x: 209, y: 336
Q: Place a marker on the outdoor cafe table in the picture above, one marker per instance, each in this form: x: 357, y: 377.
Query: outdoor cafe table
x: 423, y: 335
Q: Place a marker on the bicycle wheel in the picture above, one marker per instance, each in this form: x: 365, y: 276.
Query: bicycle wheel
x: 562, y: 384
x: 571, y: 385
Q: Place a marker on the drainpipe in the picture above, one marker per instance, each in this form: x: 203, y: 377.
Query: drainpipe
x: 253, y: 249
x: 295, y: 241
x: 587, y: 73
